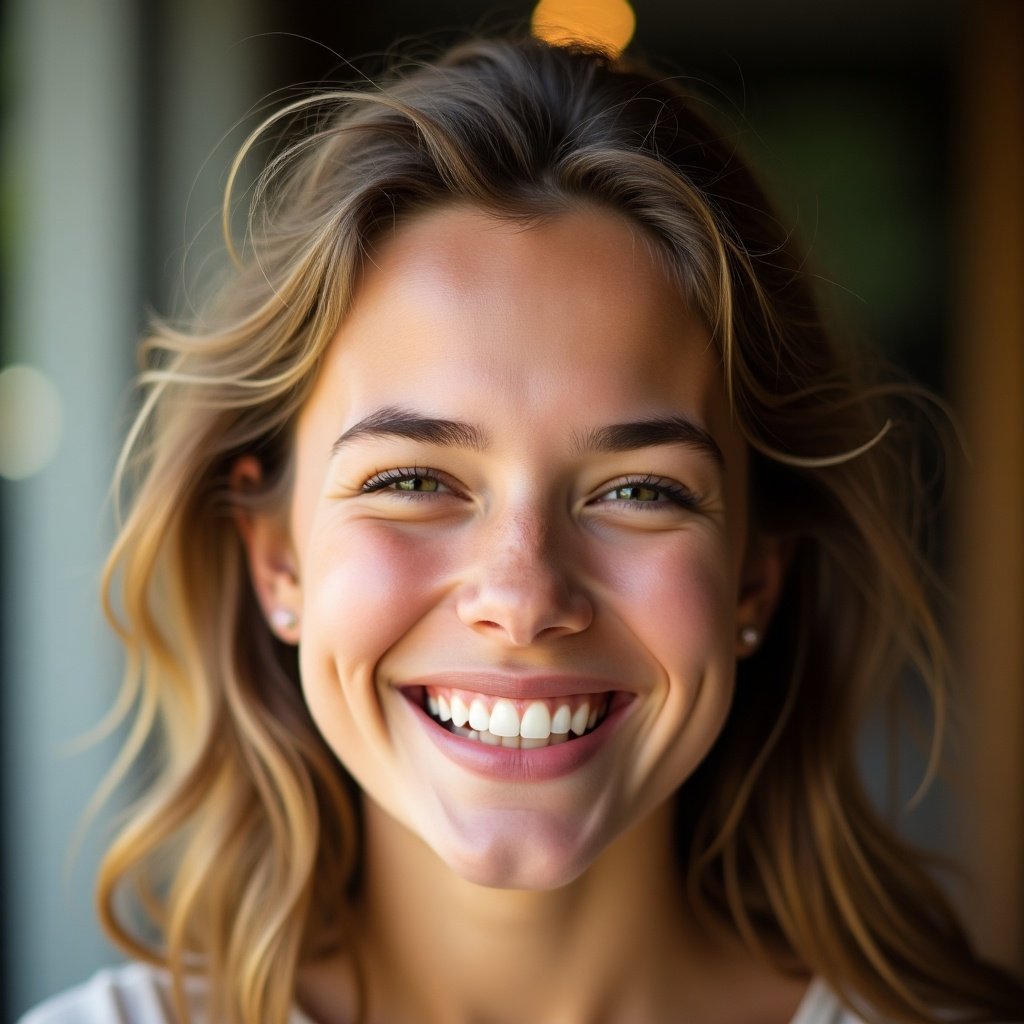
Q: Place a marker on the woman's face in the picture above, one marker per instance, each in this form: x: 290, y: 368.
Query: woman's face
x: 519, y: 497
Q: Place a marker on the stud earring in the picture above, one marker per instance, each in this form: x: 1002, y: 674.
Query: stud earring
x: 283, y: 619
x: 750, y: 636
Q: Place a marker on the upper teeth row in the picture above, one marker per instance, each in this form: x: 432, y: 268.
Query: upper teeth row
x: 537, y: 721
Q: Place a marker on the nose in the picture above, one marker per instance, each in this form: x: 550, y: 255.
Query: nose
x: 519, y: 588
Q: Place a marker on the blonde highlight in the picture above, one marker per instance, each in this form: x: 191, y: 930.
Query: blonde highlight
x: 237, y: 854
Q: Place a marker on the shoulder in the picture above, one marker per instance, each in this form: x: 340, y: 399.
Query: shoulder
x: 133, y: 994
x: 820, y: 1005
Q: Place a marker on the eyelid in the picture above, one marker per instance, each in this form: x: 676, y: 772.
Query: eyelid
x: 383, y: 479
x: 676, y: 493
x: 673, y: 491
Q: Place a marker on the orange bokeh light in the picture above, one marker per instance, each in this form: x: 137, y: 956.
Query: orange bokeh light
x: 608, y: 24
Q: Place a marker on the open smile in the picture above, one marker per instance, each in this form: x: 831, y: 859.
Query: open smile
x: 529, y: 730
x: 522, y: 724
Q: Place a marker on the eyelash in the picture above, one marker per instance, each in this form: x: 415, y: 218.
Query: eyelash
x: 385, y: 478
x: 674, y: 492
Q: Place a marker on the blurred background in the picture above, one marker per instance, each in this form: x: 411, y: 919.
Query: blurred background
x: 893, y: 137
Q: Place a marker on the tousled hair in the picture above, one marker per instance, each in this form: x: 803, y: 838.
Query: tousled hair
x: 249, y: 827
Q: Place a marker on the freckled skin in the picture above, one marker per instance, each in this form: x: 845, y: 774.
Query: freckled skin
x: 511, y: 898
x: 520, y: 560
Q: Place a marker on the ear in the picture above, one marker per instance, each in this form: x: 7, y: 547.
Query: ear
x: 764, y: 572
x: 273, y: 567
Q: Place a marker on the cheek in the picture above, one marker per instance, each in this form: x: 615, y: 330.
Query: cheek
x: 678, y: 598
x: 680, y: 607
x: 364, y: 587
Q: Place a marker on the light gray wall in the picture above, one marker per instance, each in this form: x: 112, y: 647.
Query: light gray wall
x: 70, y: 312
x: 74, y: 184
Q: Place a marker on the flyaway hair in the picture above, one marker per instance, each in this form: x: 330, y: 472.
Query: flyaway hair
x: 246, y: 840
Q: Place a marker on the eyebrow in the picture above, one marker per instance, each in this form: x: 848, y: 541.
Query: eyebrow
x: 664, y: 430
x: 394, y: 421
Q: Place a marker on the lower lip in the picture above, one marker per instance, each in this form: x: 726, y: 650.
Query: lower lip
x: 514, y: 763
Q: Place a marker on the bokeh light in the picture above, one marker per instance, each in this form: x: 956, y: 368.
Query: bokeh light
x: 30, y: 421
x: 608, y: 24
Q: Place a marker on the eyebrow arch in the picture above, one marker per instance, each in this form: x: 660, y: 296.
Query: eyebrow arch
x: 393, y: 421
x: 627, y: 437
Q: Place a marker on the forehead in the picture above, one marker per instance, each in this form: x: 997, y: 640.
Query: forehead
x: 569, y: 313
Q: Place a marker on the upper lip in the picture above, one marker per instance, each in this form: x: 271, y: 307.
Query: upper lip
x: 516, y: 685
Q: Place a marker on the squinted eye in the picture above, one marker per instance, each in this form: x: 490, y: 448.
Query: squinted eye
x: 636, y: 492
x: 405, y: 481
x: 650, y: 491
x: 416, y: 483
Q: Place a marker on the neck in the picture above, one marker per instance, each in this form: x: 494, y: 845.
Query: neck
x: 618, y: 943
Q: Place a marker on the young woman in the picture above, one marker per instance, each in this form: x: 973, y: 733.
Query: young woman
x: 512, y: 557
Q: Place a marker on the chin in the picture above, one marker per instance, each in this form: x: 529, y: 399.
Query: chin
x: 509, y: 858
x: 512, y: 873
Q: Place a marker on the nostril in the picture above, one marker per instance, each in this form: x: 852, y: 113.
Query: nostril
x: 552, y: 631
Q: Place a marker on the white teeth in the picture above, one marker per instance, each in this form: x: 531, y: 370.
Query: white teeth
x: 479, y: 719
x: 536, y: 724
x: 580, y: 718
x: 504, y: 720
x: 562, y: 721
x: 460, y: 713
x: 501, y: 725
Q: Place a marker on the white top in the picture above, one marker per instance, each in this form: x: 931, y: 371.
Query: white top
x: 134, y: 993
x: 139, y: 994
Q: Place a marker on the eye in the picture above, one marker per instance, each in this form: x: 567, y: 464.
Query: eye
x: 636, y: 492
x: 411, y: 481
x: 650, y: 492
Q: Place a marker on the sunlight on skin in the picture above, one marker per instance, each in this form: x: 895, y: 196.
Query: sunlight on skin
x: 498, y: 532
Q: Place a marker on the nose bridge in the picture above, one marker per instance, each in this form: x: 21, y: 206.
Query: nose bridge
x: 522, y: 541
x: 522, y: 583
x: 521, y: 564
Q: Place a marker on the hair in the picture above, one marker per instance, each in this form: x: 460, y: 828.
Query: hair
x: 249, y: 827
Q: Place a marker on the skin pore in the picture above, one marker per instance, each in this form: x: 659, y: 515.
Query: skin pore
x: 517, y: 481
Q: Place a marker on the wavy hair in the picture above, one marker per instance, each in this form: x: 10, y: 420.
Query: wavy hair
x: 249, y: 828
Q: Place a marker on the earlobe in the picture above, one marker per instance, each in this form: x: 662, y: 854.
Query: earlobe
x: 269, y: 552
x: 761, y: 583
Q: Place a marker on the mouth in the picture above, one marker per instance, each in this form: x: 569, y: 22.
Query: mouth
x: 522, y: 724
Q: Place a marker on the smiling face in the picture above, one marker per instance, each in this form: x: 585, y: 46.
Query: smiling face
x: 519, y: 503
